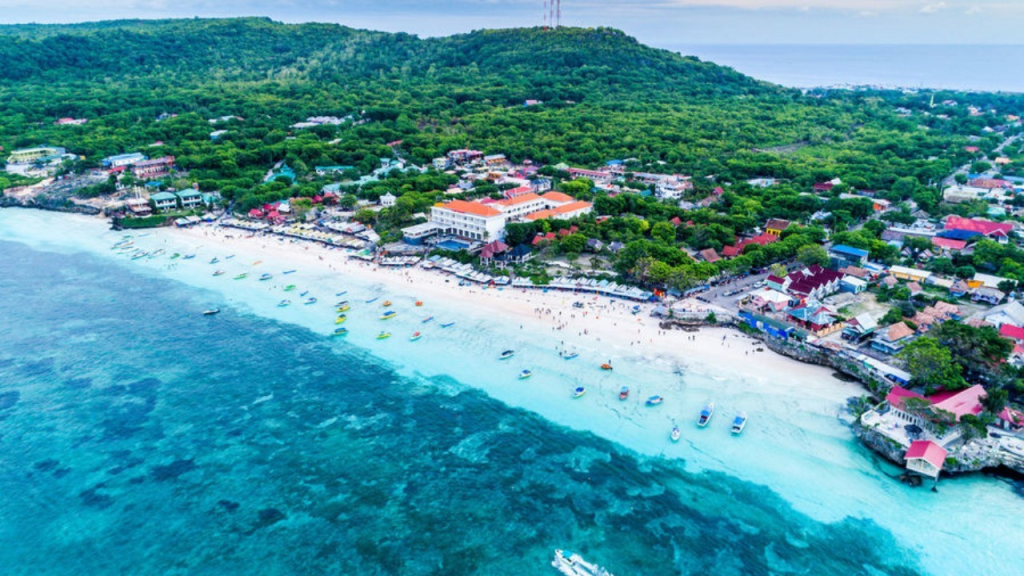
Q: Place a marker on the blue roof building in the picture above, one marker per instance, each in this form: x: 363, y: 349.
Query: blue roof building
x: 843, y: 256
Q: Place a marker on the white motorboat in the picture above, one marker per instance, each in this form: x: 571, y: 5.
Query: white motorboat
x: 574, y: 565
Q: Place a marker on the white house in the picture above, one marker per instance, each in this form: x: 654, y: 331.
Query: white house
x: 388, y: 200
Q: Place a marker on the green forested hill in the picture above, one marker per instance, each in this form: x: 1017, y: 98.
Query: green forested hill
x: 555, y: 64
x: 605, y: 96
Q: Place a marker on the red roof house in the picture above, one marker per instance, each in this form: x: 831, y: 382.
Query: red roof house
x: 925, y: 457
x: 984, y: 227
x: 710, y: 255
x: 737, y: 249
x: 949, y: 244
x: 961, y: 402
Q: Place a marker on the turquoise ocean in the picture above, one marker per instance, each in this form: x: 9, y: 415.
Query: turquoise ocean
x: 139, y: 437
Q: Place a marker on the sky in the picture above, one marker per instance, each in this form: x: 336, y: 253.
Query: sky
x: 664, y: 23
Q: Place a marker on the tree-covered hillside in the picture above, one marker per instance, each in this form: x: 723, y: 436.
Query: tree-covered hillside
x: 604, y: 96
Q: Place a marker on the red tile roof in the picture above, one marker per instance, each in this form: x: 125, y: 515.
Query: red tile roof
x: 961, y: 402
x: 518, y: 199
x: 1012, y: 332
x: 557, y: 197
x: 730, y: 251
x: 710, y: 255
x: 899, y: 394
x: 949, y: 243
x: 474, y: 208
x: 986, y: 227
x: 927, y: 450
x: 899, y: 331
x: 776, y: 224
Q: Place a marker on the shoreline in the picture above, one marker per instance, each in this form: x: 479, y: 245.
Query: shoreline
x: 605, y: 323
x: 658, y: 339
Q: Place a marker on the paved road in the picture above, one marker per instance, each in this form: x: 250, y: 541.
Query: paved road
x: 716, y: 295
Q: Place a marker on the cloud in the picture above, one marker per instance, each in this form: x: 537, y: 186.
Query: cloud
x: 932, y: 8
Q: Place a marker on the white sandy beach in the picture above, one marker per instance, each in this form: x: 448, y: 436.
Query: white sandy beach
x: 604, y: 323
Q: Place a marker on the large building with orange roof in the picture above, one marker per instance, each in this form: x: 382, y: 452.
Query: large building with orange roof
x: 471, y: 220
x: 480, y: 221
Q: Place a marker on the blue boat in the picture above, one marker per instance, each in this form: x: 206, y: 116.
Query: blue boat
x: 655, y: 400
x: 447, y: 324
x: 339, y: 332
x: 579, y: 391
x: 342, y: 293
x: 388, y: 315
x: 706, y: 414
x: 288, y: 272
x: 188, y: 256
x: 215, y: 260
x: 310, y: 300
x: 427, y: 319
x: 266, y: 276
x: 372, y: 300
x: 739, y: 423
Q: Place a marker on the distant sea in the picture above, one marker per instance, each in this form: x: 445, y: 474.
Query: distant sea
x: 972, y: 68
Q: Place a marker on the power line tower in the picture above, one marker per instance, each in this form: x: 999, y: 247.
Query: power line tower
x: 552, y: 14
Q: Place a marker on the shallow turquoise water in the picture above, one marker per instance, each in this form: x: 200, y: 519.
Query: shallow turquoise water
x: 139, y: 437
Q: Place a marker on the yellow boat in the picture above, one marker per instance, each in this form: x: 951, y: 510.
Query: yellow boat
x: 388, y: 315
x: 383, y: 335
x: 344, y: 308
x: 341, y: 319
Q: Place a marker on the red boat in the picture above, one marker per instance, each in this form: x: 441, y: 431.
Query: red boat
x: 624, y: 393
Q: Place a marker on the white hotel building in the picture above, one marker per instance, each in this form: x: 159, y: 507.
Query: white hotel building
x: 486, y: 222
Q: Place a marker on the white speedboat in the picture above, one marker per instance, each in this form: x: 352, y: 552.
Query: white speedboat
x: 676, y: 434
x: 574, y: 565
x: 706, y: 414
x: 739, y: 423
